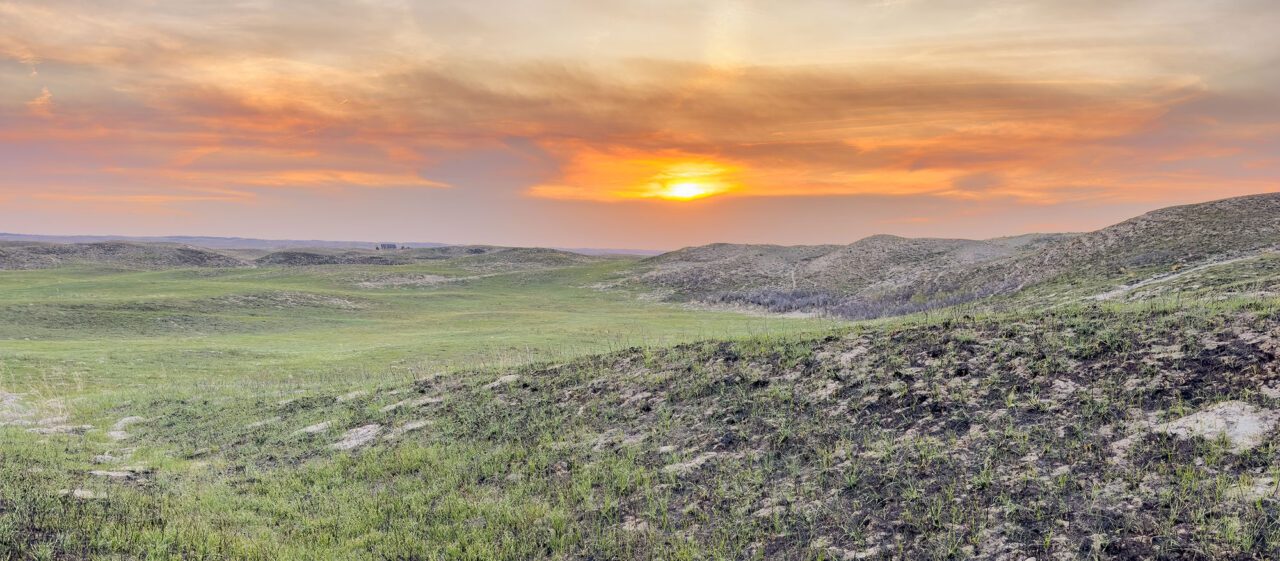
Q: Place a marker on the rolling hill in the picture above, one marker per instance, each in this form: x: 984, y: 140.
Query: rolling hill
x: 889, y: 275
x: 469, y: 257
x: 157, y: 256
x: 126, y: 255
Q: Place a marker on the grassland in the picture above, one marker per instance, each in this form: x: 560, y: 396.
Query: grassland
x: 83, y: 331
x: 429, y: 412
x: 205, y: 352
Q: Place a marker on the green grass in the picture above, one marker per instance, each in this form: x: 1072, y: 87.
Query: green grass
x: 76, y: 332
x: 203, y: 353
x: 936, y: 436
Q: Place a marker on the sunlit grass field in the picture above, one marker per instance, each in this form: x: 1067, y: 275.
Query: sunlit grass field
x: 95, y: 333
x: 203, y: 354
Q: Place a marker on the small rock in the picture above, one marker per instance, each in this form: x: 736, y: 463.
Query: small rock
x: 350, y: 396
x: 262, y: 423
x: 316, y: 428
x: 419, y: 402
x: 766, y: 512
x: 508, y: 379
x: 81, y: 494
x: 1272, y: 391
x: 357, y: 437
x: 406, y: 428
x: 1063, y: 388
x: 633, y: 524
x: 394, y: 406
x: 117, y: 431
x: 125, y: 422
x: 1258, y: 488
x: 691, y: 465
x: 62, y: 429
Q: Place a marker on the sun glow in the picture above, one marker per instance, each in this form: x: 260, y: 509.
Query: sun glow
x: 686, y: 181
x: 626, y: 175
x: 685, y: 191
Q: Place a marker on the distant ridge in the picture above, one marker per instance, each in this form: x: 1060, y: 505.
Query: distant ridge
x: 216, y: 242
x: 26, y: 255
x: 136, y: 255
x: 210, y: 242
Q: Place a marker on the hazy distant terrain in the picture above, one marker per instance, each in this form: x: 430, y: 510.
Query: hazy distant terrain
x: 212, y: 242
x: 1105, y: 395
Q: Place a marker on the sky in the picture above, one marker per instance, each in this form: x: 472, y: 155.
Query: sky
x: 653, y: 125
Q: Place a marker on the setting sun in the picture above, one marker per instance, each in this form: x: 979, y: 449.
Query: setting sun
x: 689, y: 180
x: 686, y: 191
x: 666, y: 175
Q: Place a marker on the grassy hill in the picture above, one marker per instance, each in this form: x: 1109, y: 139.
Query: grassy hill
x: 887, y: 275
x: 474, y: 257
x: 22, y: 255
x: 1084, y: 434
x: 1170, y: 237
x: 127, y: 255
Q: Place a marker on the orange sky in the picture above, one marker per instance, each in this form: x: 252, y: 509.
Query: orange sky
x: 640, y: 124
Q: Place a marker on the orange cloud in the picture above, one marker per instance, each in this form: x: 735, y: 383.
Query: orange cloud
x: 285, y: 178
x: 42, y: 106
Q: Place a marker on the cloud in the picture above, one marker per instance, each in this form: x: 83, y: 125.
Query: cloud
x: 817, y: 131
x: 42, y: 106
x: 978, y: 182
x: 139, y: 199
x: 158, y: 103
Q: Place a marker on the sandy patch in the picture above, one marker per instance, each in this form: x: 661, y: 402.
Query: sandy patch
x: 357, y: 437
x: 1244, y: 425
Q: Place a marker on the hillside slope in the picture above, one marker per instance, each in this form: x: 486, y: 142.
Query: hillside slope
x: 1162, y: 240
x: 887, y: 275
x: 1086, y: 434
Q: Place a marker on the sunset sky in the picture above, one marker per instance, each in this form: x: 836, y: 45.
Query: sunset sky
x: 654, y: 124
